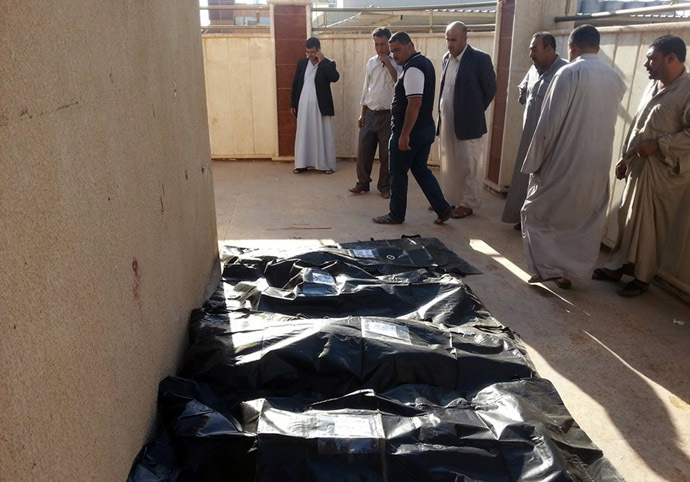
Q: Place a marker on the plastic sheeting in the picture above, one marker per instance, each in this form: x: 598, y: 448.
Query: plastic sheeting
x: 369, y: 361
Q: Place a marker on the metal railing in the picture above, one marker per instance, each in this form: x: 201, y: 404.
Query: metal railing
x: 424, y: 18
x: 631, y: 15
x: 256, y: 27
x: 431, y: 18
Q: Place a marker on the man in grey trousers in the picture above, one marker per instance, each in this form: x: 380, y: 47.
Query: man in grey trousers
x: 375, y: 120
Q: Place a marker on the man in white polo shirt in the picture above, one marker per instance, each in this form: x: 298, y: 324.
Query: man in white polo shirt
x: 375, y: 120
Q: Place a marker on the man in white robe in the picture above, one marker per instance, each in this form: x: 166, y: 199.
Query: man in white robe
x: 546, y: 62
x: 569, y: 161
x: 311, y: 102
x: 656, y: 167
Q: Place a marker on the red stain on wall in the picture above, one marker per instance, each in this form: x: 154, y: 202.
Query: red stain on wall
x: 137, y: 280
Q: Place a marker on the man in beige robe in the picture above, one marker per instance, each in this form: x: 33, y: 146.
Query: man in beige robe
x: 656, y: 167
x: 569, y: 161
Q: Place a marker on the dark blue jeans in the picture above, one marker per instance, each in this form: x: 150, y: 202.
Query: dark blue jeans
x: 413, y: 160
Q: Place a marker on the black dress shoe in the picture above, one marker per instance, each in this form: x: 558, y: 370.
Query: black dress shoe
x: 385, y: 194
x: 385, y: 219
x: 358, y: 189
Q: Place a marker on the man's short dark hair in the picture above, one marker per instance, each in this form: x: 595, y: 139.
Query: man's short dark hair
x: 381, y: 32
x: 585, y: 37
x: 313, y: 43
x: 401, y: 37
x: 547, y: 39
x: 670, y: 44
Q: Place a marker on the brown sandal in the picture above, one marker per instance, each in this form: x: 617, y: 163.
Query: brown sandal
x: 603, y: 274
x: 632, y: 289
x: 563, y: 283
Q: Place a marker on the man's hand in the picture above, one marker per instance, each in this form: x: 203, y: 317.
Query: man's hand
x: 385, y: 60
x: 360, y: 121
x: 621, y: 169
x: 293, y: 111
x: 647, y: 148
x: 319, y: 56
x: 404, y: 142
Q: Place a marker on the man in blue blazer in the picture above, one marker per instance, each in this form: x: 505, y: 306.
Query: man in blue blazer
x: 468, y: 85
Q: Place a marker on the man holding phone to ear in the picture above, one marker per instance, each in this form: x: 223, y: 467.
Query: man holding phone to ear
x: 311, y: 102
x: 375, y: 120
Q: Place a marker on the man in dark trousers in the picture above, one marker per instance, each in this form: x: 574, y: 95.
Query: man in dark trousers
x: 412, y: 132
x: 468, y: 85
x: 311, y: 102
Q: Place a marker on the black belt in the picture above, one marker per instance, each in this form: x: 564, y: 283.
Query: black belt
x: 380, y: 111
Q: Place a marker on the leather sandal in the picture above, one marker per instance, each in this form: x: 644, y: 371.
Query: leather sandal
x: 632, y: 289
x: 461, y: 212
x: 603, y: 274
x: 299, y: 170
x: 563, y: 283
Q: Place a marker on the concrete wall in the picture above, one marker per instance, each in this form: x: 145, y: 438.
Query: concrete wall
x: 107, y: 226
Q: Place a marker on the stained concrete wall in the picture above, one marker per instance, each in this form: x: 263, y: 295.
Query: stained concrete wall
x: 107, y: 226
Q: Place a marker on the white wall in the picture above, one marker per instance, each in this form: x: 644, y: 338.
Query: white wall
x: 241, y: 85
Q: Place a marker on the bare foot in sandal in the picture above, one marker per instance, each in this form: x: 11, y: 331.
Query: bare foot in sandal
x: 605, y: 274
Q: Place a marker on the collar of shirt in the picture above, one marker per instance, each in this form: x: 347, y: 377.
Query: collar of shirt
x: 459, y: 57
x: 556, y: 61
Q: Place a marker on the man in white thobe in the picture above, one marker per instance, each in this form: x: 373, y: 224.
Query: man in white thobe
x: 546, y: 62
x: 311, y: 102
x: 656, y: 167
x: 569, y: 161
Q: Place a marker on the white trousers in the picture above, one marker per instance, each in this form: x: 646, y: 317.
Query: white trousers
x: 461, y: 173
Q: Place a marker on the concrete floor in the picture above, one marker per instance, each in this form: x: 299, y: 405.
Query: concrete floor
x: 620, y: 365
